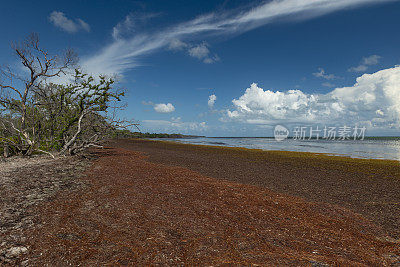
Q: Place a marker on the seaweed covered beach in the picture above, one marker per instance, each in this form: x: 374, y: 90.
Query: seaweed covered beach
x: 144, y: 202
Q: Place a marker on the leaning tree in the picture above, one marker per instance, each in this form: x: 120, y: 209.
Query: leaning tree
x: 39, y: 114
x: 81, y: 113
x: 21, y: 120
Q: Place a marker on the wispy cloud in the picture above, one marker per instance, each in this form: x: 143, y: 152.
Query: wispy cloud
x: 125, y: 26
x: 124, y: 53
x: 328, y: 84
x: 147, y: 103
x: 322, y: 74
x: 177, y: 45
x: 365, y: 63
x: 132, y: 23
x: 71, y: 26
x: 200, y: 51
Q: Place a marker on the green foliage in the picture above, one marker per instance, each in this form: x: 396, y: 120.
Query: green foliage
x: 62, y: 106
x: 54, y: 111
x: 128, y: 134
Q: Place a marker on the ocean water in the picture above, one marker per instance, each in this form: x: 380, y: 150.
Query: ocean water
x: 368, y: 148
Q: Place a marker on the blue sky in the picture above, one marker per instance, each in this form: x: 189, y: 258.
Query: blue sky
x: 231, y: 68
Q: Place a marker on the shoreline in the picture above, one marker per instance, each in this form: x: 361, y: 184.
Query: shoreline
x: 289, y: 153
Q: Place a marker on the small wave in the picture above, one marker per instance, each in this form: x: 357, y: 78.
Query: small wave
x: 217, y: 143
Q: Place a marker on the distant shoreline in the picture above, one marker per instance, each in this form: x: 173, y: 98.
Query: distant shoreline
x: 313, y: 138
x: 287, y: 152
x: 370, y: 149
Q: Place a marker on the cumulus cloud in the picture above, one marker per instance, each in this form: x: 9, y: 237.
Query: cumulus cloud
x: 175, y: 125
x: 71, y: 26
x: 164, y: 108
x: 365, y: 63
x: 322, y: 74
x: 122, y: 54
x: 373, y: 101
x: 211, y: 100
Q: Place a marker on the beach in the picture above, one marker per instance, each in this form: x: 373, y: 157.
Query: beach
x: 142, y: 202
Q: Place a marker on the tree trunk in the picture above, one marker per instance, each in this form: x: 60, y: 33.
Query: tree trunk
x: 6, y: 151
x: 71, y: 142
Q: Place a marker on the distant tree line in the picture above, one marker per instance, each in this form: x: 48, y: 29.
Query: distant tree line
x: 37, y: 114
x: 123, y: 133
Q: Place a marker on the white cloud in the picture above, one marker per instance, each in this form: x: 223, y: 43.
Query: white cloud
x: 123, y: 54
x: 322, y: 74
x: 211, y: 59
x: 177, y: 44
x: 164, y: 108
x: 328, y: 84
x: 61, y: 21
x: 211, y: 100
x: 259, y: 105
x: 147, y: 103
x: 176, y: 119
x: 123, y: 27
x: 359, y: 68
x: 373, y: 101
x: 365, y: 62
x: 131, y: 23
x: 160, y: 108
x: 200, y: 51
x: 84, y: 25
x: 371, y: 60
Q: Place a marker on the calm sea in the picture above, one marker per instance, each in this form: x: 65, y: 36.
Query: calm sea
x: 370, y: 148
